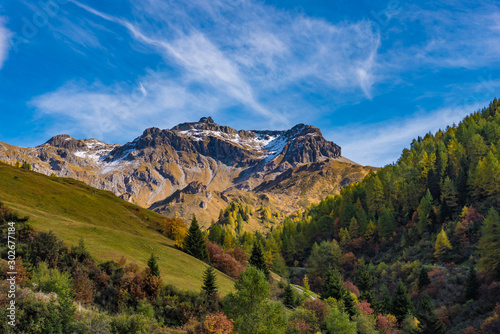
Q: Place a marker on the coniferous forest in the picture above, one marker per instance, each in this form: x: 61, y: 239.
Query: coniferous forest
x: 412, y: 248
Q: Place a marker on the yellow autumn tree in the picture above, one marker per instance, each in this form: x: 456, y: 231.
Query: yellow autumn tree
x: 442, y: 244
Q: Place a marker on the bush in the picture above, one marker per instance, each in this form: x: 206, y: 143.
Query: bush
x: 92, y: 323
x: 50, y: 280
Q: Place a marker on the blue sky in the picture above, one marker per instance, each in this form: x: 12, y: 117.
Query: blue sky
x: 371, y: 75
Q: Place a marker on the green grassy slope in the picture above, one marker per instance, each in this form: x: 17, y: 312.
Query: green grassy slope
x: 110, y: 226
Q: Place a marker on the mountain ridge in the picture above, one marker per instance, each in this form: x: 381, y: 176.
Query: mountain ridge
x: 160, y: 163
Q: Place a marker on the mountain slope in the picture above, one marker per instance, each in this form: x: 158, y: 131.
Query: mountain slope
x: 110, y: 226
x: 204, y: 160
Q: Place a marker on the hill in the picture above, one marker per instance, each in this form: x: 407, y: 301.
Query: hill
x: 110, y: 226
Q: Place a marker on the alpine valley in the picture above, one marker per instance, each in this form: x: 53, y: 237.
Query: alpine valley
x: 200, y: 167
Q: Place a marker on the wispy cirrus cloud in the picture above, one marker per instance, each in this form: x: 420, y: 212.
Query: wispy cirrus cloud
x: 114, y: 113
x: 457, y: 34
x: 5, y: 35
x: 251, y: 57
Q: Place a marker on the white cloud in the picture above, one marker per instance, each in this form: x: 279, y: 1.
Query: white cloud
x: 111, y: 114
x: 5, y: 35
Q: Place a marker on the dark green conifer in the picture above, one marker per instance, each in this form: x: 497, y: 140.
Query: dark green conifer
x: 289, y: 298
x: 423, y: 279
x: 365, y: 282
x: 154, y: 269
x: 401, y: 303
x: 67, y: 310
x: 209, y: 282
x: 472, y: 283
x: 257, y: 259
x: 429, y: 321
x: 194, y: 244
x: 332, y: 287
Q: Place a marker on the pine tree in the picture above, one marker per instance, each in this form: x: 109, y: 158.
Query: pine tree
x: 371, y: 229
x: 424, y: 212
x: 429, y: 321
x: 374, y: 195
x: 209, y: 282
x: 423, y: 279
x: 472, y: 283
x: 332, y: 287
x: 442, y: 244
x: 489, y: 244
x: 401, y: 303
x: 386, y: 224
x: 18, y: 164
x: 349, y: 303
x: 307, y: 288
x: 257, y: 259
x: 365, y: 282
x: 433, y: 183
x: 194, y: 244
x: 485, y: 181
x: 449, y: 200
x: 289, y: 298
x: 384, y: 303
x: 154, y: 269
x: 66, y: 309
x: 354, y: 228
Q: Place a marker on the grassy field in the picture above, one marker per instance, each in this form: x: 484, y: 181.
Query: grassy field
x: 110, y: 226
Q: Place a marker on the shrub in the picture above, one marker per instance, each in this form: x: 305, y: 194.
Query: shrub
x: 51, y: 280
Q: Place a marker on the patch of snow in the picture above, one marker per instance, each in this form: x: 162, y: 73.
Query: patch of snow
x: 274, y: 148
x: 259, y: 142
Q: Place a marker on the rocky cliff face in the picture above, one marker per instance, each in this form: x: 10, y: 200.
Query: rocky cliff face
x: 161, y: 167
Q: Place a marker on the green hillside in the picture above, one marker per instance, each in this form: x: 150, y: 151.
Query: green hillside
x: 110, y: 226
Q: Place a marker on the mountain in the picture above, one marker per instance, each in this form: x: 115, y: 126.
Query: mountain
x: 198, y: 167
x: 111, y: 227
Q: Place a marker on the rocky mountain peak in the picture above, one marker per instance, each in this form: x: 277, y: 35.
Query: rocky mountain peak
x: 207, y: 120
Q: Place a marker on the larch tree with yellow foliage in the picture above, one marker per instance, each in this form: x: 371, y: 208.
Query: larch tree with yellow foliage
x: 442, y: 245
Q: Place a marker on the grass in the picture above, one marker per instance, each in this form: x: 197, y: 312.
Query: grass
x: 110, y: 226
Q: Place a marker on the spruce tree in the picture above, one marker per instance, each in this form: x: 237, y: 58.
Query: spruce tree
x: 472, y: 283
x: 257, y: 259
x: 154, y: 269
x: 209, y: 282
x: 423, y: 279
x: 365, y: 282
x: 424, y: 212
x: 386, y: 224
x: 429, y: 321
x: 384, y: 303
x: 401, y: 303
x: 194, y: 244
x: 289, y: 298
x: 489, y: 244
x: 374, y: 194
x: 332, y: 287
x: 433, y: 183
x: 349, y: 304
x: 67, y: 309
x: 449, y: 200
